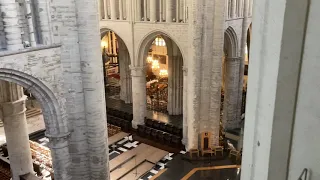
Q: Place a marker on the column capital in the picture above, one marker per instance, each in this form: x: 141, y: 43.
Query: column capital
x: 138, y: 71
x: 57, y: 141
x: 13, y: 108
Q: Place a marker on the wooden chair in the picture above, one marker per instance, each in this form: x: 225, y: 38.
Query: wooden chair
x: 193, y: 151
x: 234, y: 153
x: 205, y: 144
x: 218, y: 149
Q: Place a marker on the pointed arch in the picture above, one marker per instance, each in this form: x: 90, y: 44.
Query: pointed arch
x: 231, y: 42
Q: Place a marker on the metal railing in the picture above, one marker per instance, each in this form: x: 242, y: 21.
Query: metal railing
x: 304, y: 174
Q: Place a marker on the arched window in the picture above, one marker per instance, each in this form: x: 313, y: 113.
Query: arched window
x: 159, y: 41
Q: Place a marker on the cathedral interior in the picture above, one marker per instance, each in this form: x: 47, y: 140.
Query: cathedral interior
x: 159, y: 90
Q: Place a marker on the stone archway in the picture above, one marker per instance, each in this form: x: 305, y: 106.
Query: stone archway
x: 177, y: 77
x: 124, y: 62
x: 55, y: 117
x: 231, y: 79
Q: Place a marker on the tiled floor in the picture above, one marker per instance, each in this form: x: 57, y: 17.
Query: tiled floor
x: 120, y: 105
x: 130, y: 159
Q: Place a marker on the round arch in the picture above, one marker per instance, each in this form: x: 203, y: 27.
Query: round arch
x: 54, y: 114
x: 146, y: 42
x: 231, y: 42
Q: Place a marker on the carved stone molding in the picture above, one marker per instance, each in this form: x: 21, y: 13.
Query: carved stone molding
x: 58, y: 141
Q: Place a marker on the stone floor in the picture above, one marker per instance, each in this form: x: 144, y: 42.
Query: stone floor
x: 35, y: 123
x: 179, y: 168
x: 120, y: 105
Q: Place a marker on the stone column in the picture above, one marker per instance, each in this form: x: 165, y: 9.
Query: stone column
x: 93, y: 87
x: 230, y: 107
x: 113, y: 6
x: 13, y: 110
x: 185, y: 107
x: 245, y: 25
x: 175, y: 84
x: 22, y: 11
x: 43, y: 21
x: 281, y: 49
x: 121, y: 9
x: 125, y: 76
x: 139, y: 97
x: 30, y: 23
x: 138, y: 10
x: 169, y: 5
x: 153, y: 10
x: 204, y: 70
x: 59, y: 147
x: 145, y: 10
x: 10, y: 17
x: 233, y: 8
x: 177, y: 11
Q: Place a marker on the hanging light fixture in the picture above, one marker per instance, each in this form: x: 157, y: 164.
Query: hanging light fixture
x: 163, y: 73
x: 149, y: 59
x: 155, y: 64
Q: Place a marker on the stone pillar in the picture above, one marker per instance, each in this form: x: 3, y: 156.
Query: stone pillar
x: 13, y: 110
x: 169, y: 5
x: 113, y: 6
x: 43, y: 21
x: 139, y: 97
x: 121, y: 9
x: 230, y: 107
x: 30, y: 23
x: 185, y: 107
x: 280, y: 51
x: 125, y: 76
x: 178, y: 11
x: 93, y: 87
x: 233, y: 8
x: 59, y: 147
x: 245, y: 25
x: 10, y: 17
x: 153, y: 10
x: 204, y: 70
x: 22, y: 11
x: 138, y: 10
x: 175, y: 83
x: 145, y: 10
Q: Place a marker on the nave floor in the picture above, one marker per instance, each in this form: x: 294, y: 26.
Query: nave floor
x: 120, y: 105
x: 130, y: 159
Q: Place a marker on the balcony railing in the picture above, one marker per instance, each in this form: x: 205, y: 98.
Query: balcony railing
x: 170, y: 11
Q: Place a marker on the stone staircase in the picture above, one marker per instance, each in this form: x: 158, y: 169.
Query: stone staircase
x: 33, y: 112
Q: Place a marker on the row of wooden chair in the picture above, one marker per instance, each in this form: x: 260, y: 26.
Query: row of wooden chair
x: 163, y: 127
x: 124, y: 124
x: 112, y: 130
x: 158, y: 135
x: 120, y: 114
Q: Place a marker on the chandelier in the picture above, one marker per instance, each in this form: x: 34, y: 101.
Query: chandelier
x: 163, y: 73
x: 155, y: 64
x: 149, y: 59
